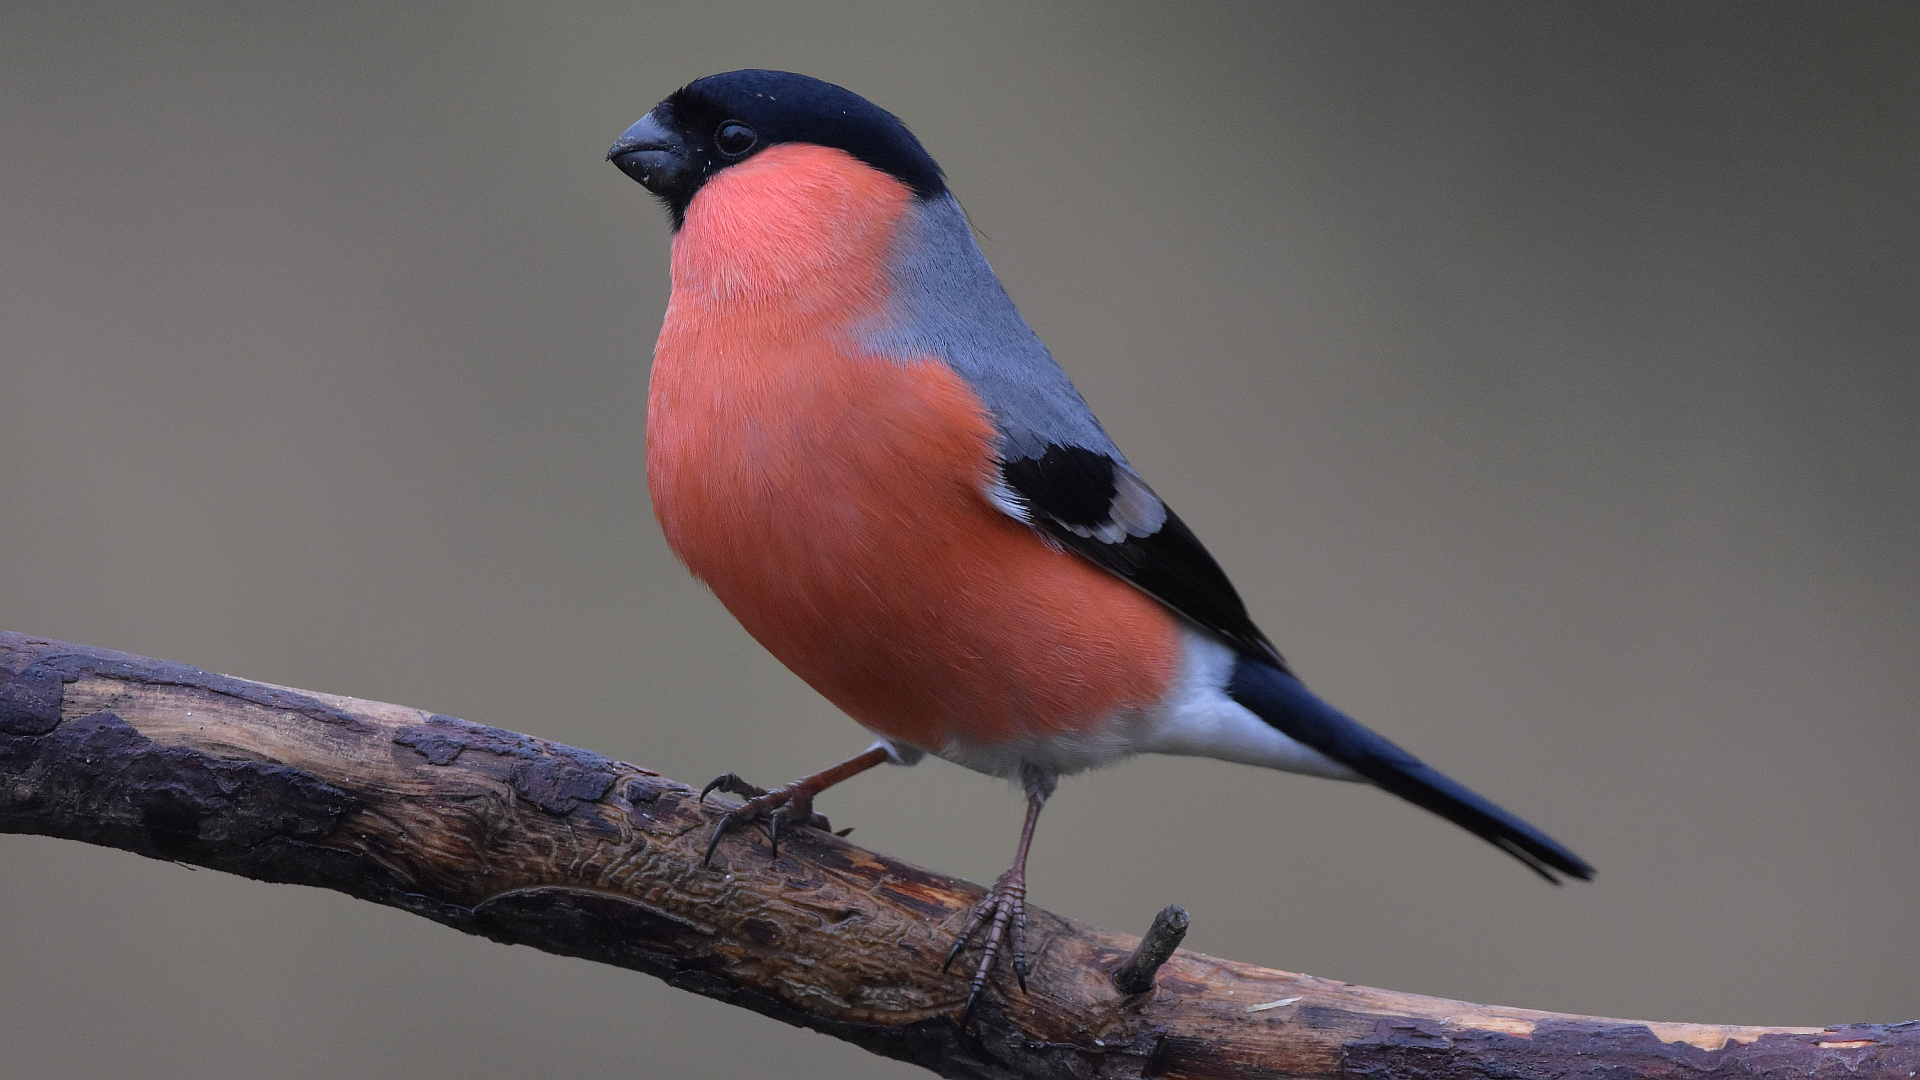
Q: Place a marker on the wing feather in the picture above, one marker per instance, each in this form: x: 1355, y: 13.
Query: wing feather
x: 1095, y: 507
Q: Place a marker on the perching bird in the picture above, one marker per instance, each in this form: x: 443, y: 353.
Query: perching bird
x: 858, y: 444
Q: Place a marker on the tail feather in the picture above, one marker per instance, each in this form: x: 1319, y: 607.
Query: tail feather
x: 1284, y: 701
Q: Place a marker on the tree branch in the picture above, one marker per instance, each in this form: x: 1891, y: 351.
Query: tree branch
x: 529, y: 842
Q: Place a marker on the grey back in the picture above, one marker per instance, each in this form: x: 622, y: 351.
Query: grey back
x: 948, y: 303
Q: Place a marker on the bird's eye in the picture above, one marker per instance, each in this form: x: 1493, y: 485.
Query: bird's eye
x: 735, y: 138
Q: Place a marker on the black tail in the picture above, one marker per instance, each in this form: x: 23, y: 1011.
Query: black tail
x: 1286, y: 703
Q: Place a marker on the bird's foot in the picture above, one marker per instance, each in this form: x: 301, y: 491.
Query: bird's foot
x: 782, y: 809
x: 1003, y: 912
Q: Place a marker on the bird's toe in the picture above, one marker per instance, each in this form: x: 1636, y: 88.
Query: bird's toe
x: 781, y: 810
x: 1003, y: 913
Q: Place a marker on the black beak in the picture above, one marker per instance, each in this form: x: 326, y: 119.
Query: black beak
x: 651, y: 154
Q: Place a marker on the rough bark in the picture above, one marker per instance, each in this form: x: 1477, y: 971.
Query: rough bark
x: 525, y: 841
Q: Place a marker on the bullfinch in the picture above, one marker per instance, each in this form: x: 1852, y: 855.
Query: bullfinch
x: 855, y: 440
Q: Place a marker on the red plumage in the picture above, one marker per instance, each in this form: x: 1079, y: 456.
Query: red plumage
x: 835, y: 501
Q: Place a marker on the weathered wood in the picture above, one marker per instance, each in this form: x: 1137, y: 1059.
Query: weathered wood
x: 1162, y: 939
x: 526, y: 841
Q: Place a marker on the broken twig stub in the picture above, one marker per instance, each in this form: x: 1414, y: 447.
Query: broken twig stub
x: 1163, y: 937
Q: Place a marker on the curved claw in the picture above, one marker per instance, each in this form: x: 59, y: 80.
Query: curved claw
x: 966, y: 1014
x: 732, y: 784
x: 720, y: 829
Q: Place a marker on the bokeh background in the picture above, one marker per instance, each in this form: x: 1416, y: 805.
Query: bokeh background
x: 1545, y: 374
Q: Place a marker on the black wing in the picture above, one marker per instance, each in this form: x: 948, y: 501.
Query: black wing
x: 1097, y: 508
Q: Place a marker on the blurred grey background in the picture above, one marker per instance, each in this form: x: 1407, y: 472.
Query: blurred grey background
x: 1546, y: 376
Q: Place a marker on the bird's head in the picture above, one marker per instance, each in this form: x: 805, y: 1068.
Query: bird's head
x: 722, y: 120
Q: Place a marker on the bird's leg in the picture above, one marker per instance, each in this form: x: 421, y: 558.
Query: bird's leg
x: 783, y: 807
x: 1003, y: 911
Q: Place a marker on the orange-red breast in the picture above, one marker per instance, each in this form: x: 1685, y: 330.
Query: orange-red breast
x: 856, y: 441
